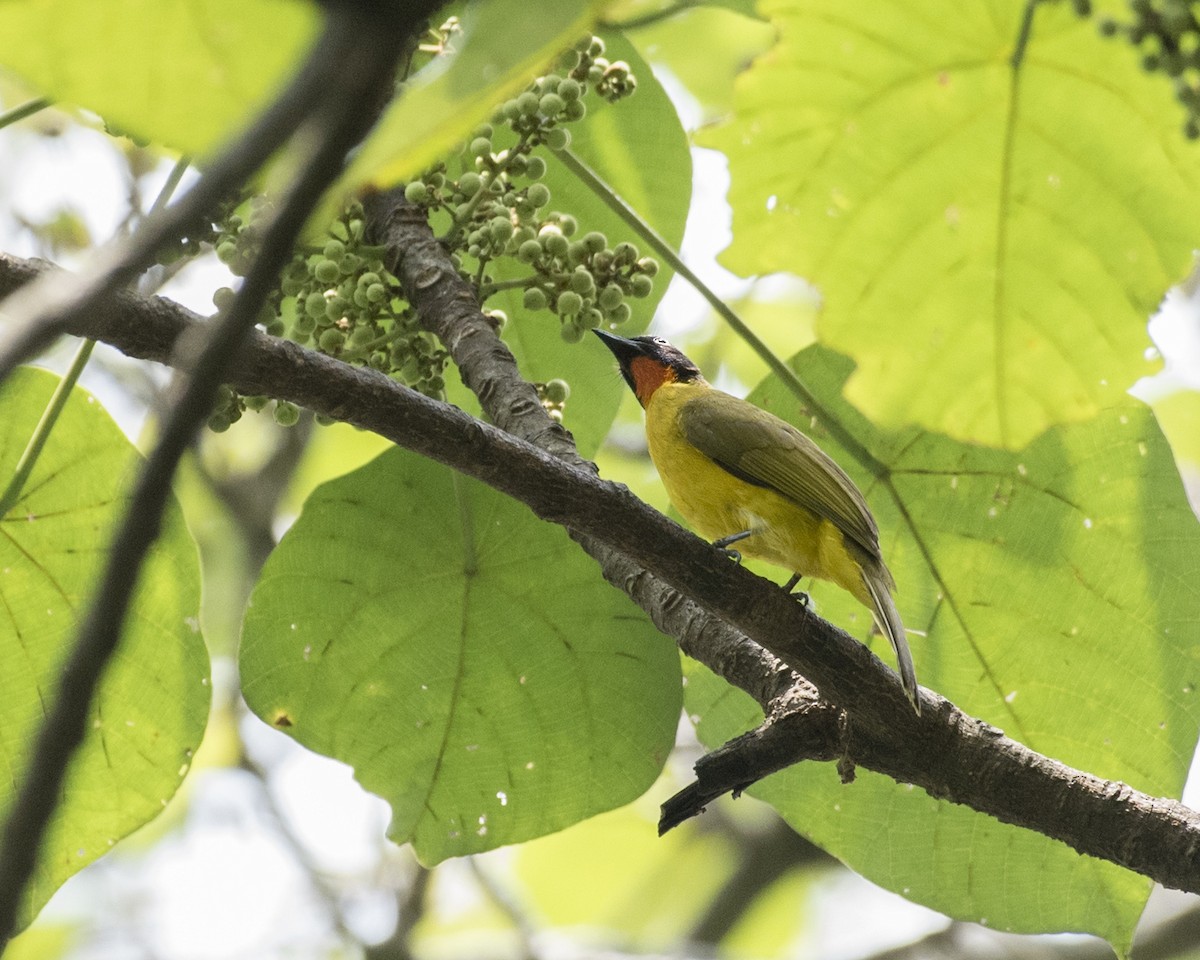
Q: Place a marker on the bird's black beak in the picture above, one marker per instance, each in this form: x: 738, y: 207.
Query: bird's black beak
x: 626, y: 351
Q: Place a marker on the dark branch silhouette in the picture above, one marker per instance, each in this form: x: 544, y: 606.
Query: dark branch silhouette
x: 354, y: 59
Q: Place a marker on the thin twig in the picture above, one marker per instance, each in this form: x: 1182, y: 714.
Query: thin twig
x: 21, y: 111
x: 41, y: 433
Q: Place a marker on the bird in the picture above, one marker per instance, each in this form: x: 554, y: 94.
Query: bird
x: 741, y: 475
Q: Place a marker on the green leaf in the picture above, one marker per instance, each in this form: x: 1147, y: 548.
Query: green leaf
x: 1054, y: 589
x: 640, y: 149
x: 705, y: 48
x: 503, y: 46
x: 989, y: 242
x: 153, y: 702
x: 465, y: 659
x: 182, y: 73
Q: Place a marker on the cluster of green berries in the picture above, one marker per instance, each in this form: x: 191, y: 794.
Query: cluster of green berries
x: 337, y: 297
x: 496, y: 214
x: 495, y: 220
x: 1168, y: 35
x: 553, y: 396
x: 582, y: 280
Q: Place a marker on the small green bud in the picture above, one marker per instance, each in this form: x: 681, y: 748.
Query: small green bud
x: 534, y: 299
x: 552, y: 104
x: 349, y: 263
x: 481, y: 147
x: 535, y: 168
x: 594, y: 241
x: 276, y: 327
x: 620, y: 313
x: 569, y: 303
x: 256, y: 403
x: 512, y: 109
x: 590, y: 318
x: 469, y: 183
x: 567, y: 224
x: 223, y: 297
x: 625, y: 254
x: 314, y: 305
x: 648, y: 266
x: 640, y: 285
x: 327, y: 271
x: 332, y: 340
x: 556, y: 245
x: 286, y: 414
x: 226, y: 251
x: 501, y: 229
x: 416, y: 192
x: 529, y: 103
x: 557, y: 391
x: 582, y: 281
x: 574, y: 111
x: 569, y: 89
x: 529, y: 251
x: 558, y: 138
x: 571, y: 332
x: 304, y: 325
x: 336, y: 306
x: 334, y: 250
x: 538, y: 194
x: 376, y: 292
x: 219, y: 422
x: 368, y: 278
x: 610, y: 297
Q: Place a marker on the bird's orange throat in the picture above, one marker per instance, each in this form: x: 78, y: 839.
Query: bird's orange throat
x: 648, y: 375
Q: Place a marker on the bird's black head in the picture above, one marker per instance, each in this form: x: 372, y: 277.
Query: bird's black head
x: 649, y: 362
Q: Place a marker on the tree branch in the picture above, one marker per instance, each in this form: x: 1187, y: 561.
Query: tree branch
x: 944, y: 751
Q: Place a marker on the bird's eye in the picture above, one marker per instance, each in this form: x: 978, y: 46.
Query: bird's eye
x: 659, y: 340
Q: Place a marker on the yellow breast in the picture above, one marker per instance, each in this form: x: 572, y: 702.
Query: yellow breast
x: 718, y: 504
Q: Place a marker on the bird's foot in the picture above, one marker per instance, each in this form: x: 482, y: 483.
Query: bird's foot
x: 801, y: 596
x: 724, y: 542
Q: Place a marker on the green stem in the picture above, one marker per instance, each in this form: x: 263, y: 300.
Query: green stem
x: 41, y: 433
x: 468, y: 209
x: 169, y: 186
x: 647, y: 19
x: 27, y: 109
x: 1023, y: 34
x: 495, y: 287
x: 470, y: 555
x: 785, y: 373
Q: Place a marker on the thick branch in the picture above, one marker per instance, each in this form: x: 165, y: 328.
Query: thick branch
x: 944, y: 751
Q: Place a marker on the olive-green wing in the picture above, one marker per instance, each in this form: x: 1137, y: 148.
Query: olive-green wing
x: 763, y: 449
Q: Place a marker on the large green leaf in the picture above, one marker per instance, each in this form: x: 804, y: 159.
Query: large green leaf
x: 463, y: 657
x: 183, y: 73
x: 638, y: 146
x: 505, y: 43
x: 153, y: 703
x: 1054, y: 586
x: 989, y: 241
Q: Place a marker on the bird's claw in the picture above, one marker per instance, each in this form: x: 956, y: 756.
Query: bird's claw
x: 732, y: 554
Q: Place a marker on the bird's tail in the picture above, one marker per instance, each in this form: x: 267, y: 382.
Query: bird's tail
x: 888, y: 618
